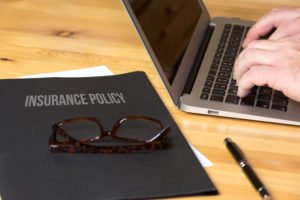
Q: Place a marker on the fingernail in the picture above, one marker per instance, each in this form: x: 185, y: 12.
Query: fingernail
x: 233, y: 73
x: 242, y: 93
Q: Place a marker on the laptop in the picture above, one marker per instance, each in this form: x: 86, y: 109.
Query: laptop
x: 194, y: 56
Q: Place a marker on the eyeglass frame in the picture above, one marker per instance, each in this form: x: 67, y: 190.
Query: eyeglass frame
x: 72, y: 145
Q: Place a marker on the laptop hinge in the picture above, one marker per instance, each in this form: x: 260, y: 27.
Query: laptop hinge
x: 198, y: 60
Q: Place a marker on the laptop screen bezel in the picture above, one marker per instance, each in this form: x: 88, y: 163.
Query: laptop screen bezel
x: 176, y: 88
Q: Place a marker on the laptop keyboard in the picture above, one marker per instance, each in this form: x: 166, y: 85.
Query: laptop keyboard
x: 219, y: 85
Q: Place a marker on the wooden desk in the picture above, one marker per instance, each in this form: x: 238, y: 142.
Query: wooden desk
x: 38, y: 36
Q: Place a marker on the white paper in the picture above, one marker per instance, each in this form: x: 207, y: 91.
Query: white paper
x: 202, y: 159
x: 85, y: 72
x: 104, y: 71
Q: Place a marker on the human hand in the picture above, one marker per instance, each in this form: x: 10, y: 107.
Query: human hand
x: 285, y: 20
x: 275, y: 63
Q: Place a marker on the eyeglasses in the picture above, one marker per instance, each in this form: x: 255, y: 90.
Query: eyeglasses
x: 128, y: 134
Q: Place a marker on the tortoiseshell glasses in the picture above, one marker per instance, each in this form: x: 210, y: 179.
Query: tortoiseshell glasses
x: 129, y: 134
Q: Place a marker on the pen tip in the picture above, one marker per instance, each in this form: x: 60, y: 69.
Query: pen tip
x: 226, y: 140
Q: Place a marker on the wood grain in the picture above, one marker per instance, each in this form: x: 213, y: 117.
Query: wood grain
x: 38, y: 36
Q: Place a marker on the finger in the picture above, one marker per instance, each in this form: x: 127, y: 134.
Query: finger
x: 268, y: 22
x: 258, y: 75
x: 252, y: 57
x: 237, y: 69
x: 264, y: 44
x: 287, y: 29
x: 258, y: 30
x: 262, y: 27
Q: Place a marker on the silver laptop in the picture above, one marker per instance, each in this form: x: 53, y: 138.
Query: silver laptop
x: 194, y: 56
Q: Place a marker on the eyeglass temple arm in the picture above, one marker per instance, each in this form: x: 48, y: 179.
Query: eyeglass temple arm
x: 159, y: 135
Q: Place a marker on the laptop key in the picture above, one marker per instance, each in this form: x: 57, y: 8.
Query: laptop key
x: 265, y: 91
x: 218, y: 92
x: 217, y: 98
x: 229, y: 58
x: 226, y: 69
x: 204, y: 96
x: 220, y: 86
x: 279, y: 94
x: 263, y: 104
x: 206, y: 90
x: 238, y: 28
x: 229, y: 64
x: 222, y: 45
x: 210, y: 78
x: 232, y: 91
x: 279, y: 107
x: 233, y: 49
x: 252, y: 93
x: 254, y: 89
x: 230, y: 53
x: 232, y: 99
x: 227, y: 26
x: 222, y: 80
x: 281, y: 101
x: 233, y: 83
x: 222, y: 74
x: 216, y: 60
x: 218, y: 54
x: 248, y: 101
x: 220, y: 50
x: 214, y: 66
x: 264, y: 97
x: 208, y: 83
x: 212, y: 72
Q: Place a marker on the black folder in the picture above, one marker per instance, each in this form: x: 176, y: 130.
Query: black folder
x: 29, y: 171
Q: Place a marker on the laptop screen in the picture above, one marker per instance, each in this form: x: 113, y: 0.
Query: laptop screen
x: 168, y: 26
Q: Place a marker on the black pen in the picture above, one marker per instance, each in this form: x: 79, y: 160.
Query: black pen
x: 241, y: 160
